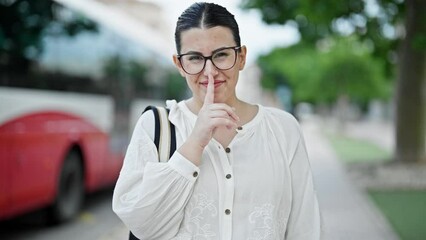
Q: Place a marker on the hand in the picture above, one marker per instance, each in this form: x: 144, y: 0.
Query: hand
x: 211, y: 116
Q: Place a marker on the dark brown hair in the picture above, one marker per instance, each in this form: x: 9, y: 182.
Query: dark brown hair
x: 206, y: 15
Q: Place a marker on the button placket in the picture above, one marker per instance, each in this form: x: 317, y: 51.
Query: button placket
x: 228, y: 195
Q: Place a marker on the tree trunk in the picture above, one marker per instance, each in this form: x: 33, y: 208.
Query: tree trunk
x: 122, y: 94
x: 410, y: 91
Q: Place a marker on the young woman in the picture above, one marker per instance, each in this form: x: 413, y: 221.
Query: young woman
x: 240, y: 170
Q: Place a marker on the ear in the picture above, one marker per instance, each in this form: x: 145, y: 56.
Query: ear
x: 242, y: 57
x: 178, y: 65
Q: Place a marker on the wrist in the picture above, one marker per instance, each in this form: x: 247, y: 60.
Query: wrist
x: 192, y: 151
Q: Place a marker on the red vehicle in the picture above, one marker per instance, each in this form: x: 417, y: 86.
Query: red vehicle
x: 51, y: 159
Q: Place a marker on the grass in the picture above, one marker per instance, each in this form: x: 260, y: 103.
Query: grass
x: 405, y: 210
x: 352, y: 150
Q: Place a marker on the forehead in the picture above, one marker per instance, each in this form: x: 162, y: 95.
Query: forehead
x: 205, y: 40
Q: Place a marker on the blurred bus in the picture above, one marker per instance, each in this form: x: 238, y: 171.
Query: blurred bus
x: 54, y: 148
x: 60, y: 141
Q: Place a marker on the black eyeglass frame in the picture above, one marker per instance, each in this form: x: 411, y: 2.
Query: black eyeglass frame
x: 236, y: 49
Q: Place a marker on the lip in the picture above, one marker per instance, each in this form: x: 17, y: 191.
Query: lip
x: 217, y: 83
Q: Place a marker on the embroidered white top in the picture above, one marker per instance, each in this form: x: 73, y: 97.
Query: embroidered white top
x: 259, y: 187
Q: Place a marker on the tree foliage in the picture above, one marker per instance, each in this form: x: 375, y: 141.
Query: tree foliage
x: 23, y: 23
x: 342, y: 67
x: 176, y: 87
x: 395, y: 29
x: 378, y: 22
x: 296, y: 67
x: 129, y: 78
x: 126, y: 77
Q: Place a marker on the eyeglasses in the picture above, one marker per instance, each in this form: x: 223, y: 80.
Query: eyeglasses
x: 222, y: 58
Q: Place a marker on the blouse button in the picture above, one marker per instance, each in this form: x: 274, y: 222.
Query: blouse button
x: 195, y: 174
x: 228, y: 150
x: 228, y: 176
x: 240, y: 128
x: 227, y: 211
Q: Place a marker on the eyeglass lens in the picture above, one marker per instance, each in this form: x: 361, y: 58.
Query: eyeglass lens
x: 195, y: 63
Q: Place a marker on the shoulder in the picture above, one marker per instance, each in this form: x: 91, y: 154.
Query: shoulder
x: 146, y: 123
x: 280, y: 115
x: 147, y: 118
x: 286, y: 129
x: 283, y: 123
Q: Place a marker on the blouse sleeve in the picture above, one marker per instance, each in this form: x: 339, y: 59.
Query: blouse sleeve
x: 150, y: 197
x: 304, y: 220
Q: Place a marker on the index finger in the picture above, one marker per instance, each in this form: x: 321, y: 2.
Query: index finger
x: 209, y: 98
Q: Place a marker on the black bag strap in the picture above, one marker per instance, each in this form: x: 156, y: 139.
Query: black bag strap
x: 132, y: 237
x: 163, y: 128
x: 165, y: 133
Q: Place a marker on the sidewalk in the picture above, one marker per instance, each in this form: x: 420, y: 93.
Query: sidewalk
x: 347, y: 213
x: 120, y: 232
x: 368, y: 130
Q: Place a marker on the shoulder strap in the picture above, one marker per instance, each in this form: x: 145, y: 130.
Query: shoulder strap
x: 165, y: 134
x: 164, y: 138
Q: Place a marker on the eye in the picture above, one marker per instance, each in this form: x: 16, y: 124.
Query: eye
x: 221, y: 54
x: 194, y: 58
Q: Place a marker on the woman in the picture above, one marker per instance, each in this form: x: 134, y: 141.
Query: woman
x: 240, y: 170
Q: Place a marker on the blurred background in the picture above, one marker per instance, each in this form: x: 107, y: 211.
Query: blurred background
x: 76, y: 74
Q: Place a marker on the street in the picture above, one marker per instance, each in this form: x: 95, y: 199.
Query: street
x: 96, y: 222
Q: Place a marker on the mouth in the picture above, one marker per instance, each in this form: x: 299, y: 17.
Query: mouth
x: 217, y: 83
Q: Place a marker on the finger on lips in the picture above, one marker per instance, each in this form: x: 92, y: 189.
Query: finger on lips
x: 209, y: 101
x: 209, y: 98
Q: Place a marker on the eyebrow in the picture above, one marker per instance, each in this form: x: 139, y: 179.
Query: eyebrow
x: 199, y: 53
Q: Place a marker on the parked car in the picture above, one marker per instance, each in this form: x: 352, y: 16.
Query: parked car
x: 51, y: 159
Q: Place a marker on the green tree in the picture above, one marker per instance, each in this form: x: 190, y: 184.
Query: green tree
x: 125, y: 80
x: 396, y: 29
x: 138, y: 73
x: 23, y: 23
x: 176, y: 87
x: 297, y: 67
x: 342, y: 67
x: 352, y: 76
x: 349, y: 70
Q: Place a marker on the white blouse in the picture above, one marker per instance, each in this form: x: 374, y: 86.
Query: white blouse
x: 259, y: 187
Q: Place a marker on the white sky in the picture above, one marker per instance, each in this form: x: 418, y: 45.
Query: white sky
x: 256, y: 35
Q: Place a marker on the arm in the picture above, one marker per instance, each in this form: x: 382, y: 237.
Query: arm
x: 304, y: 221
x: 149, y: 196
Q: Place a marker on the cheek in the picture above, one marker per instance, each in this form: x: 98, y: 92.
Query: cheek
x: 191, y: 82
x: 233, y: 76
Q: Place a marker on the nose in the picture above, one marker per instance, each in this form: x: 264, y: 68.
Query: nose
x: 210, y: 68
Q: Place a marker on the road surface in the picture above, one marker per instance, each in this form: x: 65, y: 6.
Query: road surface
x: 96, y: 222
